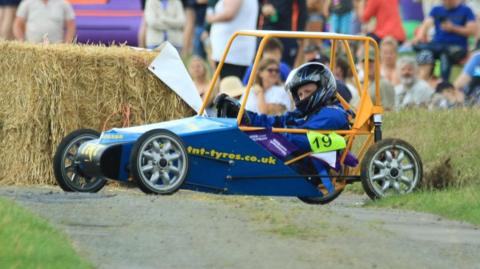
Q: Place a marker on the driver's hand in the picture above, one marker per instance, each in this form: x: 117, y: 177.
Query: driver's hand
x: 227, y: 106
x: 219, y: 99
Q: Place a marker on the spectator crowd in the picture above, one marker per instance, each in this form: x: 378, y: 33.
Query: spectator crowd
x: 415, y: 71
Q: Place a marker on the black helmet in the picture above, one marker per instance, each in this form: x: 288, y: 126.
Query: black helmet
x: 312, y: 73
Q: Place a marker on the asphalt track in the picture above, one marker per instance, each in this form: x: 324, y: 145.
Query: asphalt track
x: 124, y: 228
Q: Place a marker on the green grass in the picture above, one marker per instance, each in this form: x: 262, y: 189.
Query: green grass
x: 458, y: 204
x: 27, y: 241
x: 439, y: 135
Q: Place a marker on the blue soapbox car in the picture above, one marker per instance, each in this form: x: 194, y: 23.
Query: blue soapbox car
x: 225, y: 155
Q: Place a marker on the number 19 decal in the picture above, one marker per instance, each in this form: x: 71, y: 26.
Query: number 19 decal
x: 325, y: 142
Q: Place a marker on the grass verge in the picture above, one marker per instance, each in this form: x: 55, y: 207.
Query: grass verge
x: 27, y: 241
x: 457, y: 204
x: 441, y: 137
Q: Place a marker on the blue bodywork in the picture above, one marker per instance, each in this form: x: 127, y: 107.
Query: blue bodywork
x: 222, y: 158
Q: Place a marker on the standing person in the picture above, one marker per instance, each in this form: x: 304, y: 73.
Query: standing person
x: 315, y: 23
x: 200, y: 9
x: 164, y: 22
x: 356, y: 26
x: 411, y: 91
x: 285, y: 15
x: 188, y: 26
x: 388, y: 59
x: 387, y: 13
x: 141, y: 29
x: 45, y: 21
x: 8, y: 8
x: 341, y: 16
x: 268, y: 95
x: 230, y: 16
x: 454, y: 23
x: 316, y: 16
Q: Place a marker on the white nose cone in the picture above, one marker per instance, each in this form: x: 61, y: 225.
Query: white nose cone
x: 169, y: 68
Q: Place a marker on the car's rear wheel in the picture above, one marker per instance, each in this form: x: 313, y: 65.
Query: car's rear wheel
x: 325, y: 199
x: 159, y: 162
x: 321, y: 200
x: 66, y: 167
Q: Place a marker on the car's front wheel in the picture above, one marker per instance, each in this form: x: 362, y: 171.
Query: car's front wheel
x: 159, y: 162
x: 66, y: 167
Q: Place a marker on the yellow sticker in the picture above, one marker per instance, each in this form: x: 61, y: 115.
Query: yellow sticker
x: 91, y: 151
x: 325, y: 142
x: 111, y: 136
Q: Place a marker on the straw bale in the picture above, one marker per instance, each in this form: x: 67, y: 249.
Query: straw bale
x: 51, y: 90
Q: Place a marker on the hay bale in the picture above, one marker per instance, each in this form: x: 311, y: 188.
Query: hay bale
x: 51, y: 90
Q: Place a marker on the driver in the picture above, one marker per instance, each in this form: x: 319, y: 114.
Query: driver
x: 313, y: 89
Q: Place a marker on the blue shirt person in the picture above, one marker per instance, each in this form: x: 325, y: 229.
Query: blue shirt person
x: 454, y: 22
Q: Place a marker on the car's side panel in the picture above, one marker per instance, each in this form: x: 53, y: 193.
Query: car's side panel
x: 229, y: 161
x: 222, y: 158
x: 109, y: 156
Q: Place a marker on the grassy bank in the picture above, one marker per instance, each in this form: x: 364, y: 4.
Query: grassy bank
x: 439, y: 136
x: 27, y: 241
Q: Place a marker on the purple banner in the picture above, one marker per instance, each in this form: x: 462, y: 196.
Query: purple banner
x: 280, y: 147
x: 116, y: 21
x: 275, y: 143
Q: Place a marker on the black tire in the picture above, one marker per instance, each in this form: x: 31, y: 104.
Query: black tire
x: 64, y: 164
x: 321, y: 200
x: 324, y: 199
x: 151, y: 163
x: 391, y: 166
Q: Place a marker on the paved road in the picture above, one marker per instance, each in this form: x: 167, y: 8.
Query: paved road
x: 124, y: 228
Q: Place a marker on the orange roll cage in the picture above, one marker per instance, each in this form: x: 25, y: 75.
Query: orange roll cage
x: 362, y: 123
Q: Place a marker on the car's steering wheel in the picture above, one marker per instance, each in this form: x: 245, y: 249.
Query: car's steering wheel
x: 228, y: 107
